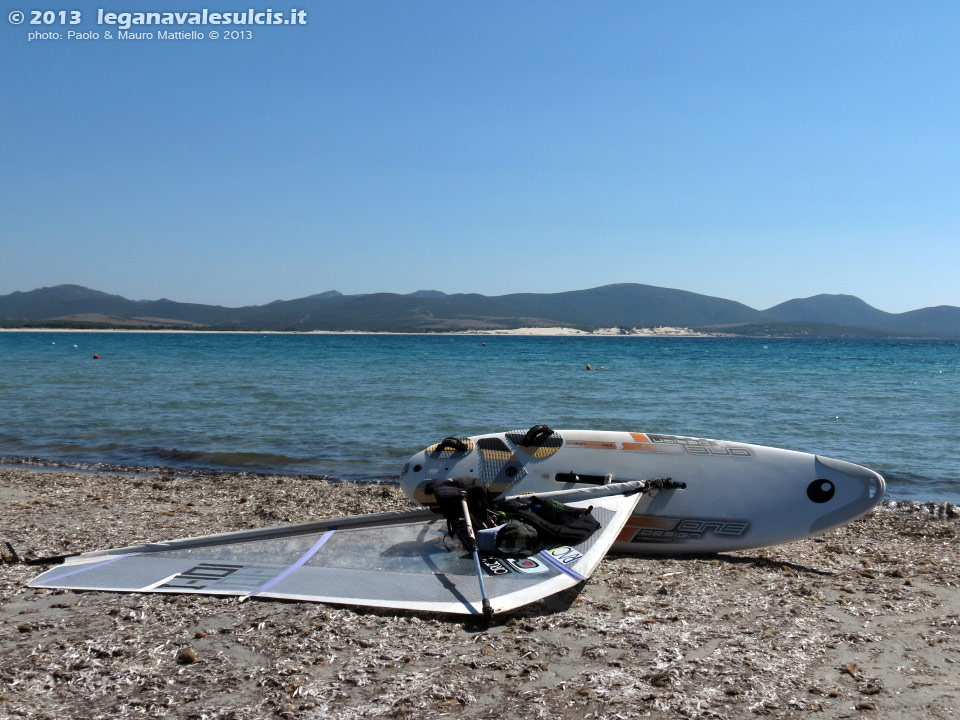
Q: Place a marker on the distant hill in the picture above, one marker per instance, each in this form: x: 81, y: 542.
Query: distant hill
x: 847, y: 310
x: 51, y: 302
x: 625, y: 305
x: 832, y: 309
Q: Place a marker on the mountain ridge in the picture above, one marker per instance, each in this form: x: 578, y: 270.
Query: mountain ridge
x: 626, y: 305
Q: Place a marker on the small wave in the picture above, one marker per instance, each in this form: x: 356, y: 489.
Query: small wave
x: 903, y: 485
x: 224, y: 459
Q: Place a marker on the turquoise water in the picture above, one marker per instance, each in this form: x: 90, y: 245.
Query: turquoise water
x: 355, y: 406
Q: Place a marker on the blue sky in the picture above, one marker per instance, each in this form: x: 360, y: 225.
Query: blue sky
x: 757, y: 151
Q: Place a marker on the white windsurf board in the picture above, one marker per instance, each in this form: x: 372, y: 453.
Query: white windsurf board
x: 736, y: 495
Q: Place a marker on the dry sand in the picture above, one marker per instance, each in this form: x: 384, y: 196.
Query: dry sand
x: 861, y: 622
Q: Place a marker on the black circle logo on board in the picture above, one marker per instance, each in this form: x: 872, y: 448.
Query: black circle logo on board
x: 820, y: 490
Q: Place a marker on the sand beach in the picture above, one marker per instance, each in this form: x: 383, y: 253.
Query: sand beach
x: 861, y: 622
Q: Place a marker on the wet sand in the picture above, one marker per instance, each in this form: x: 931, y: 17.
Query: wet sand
x: 861, y: 622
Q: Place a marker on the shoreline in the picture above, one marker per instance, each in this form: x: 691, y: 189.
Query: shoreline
x: 90, y: 467
x: 861, y: 621
x: 657, y: 332
x: 938, y: 507
x: 40, y: 464
x: 664, y: 331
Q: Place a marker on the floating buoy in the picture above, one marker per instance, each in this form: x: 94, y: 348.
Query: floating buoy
x: 96, y: 357
x: 589, y: 368
x: 484, y: 344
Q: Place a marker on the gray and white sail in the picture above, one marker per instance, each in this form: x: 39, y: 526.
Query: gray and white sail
x: 391, y: 560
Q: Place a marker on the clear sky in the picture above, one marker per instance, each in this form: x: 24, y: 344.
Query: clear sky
x: 757, y: 151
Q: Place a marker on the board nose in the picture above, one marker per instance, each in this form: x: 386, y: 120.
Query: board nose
x: 860, y: 490
x: 408, y: 475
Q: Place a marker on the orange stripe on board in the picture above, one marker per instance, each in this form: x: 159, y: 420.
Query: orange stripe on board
x: 626, y: 535
x: 640, y: 437
x: 592, y: 444
x: 649, y: 447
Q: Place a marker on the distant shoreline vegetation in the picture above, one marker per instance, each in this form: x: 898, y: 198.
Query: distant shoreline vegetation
x: 612, y: 310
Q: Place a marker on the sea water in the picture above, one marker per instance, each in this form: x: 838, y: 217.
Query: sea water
x: 355, y: 406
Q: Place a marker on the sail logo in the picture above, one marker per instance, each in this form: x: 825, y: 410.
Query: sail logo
x: 493, y: 566
x: 526, y: 565
x: 197, y: 577
x: 565, y: 554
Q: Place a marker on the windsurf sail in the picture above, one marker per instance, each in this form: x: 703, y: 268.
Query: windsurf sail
x: 391, y: 560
